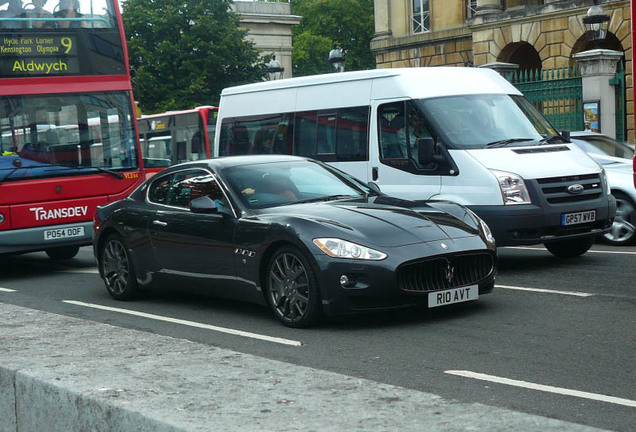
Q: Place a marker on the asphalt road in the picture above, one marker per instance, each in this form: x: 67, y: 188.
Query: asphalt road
x: 557, y: 338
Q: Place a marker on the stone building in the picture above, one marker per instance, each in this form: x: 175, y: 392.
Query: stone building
x: 269, y: 25
x: 534, y: 34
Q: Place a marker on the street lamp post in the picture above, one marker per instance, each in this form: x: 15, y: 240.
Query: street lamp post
x: 336, y: 58
x: 274, y: 70
x: 596, y: 23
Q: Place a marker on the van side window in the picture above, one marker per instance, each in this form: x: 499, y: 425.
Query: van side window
x: 305, y: 134
x: 352, y: 134
x: 400, y: 125
x: 333, y: 135
x: 270, y: 134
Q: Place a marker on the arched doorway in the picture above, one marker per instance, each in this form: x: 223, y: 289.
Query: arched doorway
x: 583, y: 43
x: 522, y: 54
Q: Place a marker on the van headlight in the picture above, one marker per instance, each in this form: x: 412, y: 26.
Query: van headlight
x: 513, y: 189
x: 339, y: 248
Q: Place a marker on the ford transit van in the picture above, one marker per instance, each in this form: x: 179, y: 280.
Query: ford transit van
x: 444, y: 133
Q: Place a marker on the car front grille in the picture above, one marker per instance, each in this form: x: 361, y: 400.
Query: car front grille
x: 447, y: 272
x: 555, y: 189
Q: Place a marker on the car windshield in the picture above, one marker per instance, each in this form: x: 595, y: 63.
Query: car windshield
x: 603, y: 146
x: 480, y: 121
x: 281, y: 183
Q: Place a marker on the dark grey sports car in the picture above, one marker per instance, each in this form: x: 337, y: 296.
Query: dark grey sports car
x: 292, y: 233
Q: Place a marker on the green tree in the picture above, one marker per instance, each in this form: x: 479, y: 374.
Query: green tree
x: 184, y: 52
x: 326, y: 24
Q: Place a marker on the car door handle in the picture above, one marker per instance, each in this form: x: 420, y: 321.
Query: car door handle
x: 160, y: 223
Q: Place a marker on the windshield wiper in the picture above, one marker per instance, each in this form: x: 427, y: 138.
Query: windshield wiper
x: 119, y: 175
x: 551, y: 138
x: 326, y: 198
x: 505, y: 142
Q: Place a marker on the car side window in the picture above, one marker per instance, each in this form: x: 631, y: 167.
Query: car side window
x: 180, y: 188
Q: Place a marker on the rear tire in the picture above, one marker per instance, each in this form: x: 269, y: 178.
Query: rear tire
x: 623, y: 231
x: 570, y: 248
x: 117, y: 269
x: 292, y: 288
x: 62, y: 252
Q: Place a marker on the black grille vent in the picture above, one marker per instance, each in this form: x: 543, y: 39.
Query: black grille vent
x: 542, y: 150
x: 445, y: 272
x: 555, y: 189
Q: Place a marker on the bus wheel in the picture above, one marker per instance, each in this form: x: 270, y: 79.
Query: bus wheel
x: 62, y: 252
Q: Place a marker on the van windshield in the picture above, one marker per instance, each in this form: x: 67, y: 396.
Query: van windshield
x: 480, y: 121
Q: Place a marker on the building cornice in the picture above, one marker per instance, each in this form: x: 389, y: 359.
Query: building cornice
x: 380, y: 44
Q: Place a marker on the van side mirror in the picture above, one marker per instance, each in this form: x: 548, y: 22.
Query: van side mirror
x: 426, y: 151
x: 565, y: 134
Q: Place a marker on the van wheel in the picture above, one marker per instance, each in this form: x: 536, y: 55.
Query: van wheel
x: 570, y: 248
x: 62, y: 252
x: 623, y: 231
x: 292, y: 288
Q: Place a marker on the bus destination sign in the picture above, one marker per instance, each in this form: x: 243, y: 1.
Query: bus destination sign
x: 41, y: 55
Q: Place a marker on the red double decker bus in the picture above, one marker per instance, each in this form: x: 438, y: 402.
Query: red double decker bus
x: 67, y: 124
x: 176, y: 136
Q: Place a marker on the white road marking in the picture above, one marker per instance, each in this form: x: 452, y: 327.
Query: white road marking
x: 543, y: 388
x: 92, y: 270
x: 541, y: 290
x: 189, y: 323
x: 7, y: 290
x: 542, y: 249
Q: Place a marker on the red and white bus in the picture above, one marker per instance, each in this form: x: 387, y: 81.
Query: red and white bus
x: 176, y: 136
x: 68, y: 139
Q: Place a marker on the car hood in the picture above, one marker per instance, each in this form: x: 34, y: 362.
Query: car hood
x: 384, y: 221
x: 533, y: 162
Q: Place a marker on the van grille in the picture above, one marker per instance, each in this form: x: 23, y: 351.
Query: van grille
x: 555, y: 189
x: 445, y: 272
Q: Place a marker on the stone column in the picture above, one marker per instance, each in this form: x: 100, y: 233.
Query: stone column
x: 598, y: 67
x: 382, y: 13
x: 485, y: 7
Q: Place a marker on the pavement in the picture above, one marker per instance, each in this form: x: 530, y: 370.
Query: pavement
x: 62, y: 374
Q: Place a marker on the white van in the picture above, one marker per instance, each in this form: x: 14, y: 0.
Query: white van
x: 445, y: 133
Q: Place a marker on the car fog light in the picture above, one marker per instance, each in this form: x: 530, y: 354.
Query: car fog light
x: 347, y: 281
x: 1, y: 218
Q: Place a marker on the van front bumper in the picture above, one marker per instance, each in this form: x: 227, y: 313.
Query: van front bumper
x: 529, y: 224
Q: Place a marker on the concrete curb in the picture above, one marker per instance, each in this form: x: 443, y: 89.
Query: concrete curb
x: 64, y: 374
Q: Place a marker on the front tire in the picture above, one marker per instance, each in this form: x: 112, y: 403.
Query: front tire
x: 623, y: 231
x: 62, y: 252
x: 570, y: 248
x: 292, y: 288
x: 117, y: 269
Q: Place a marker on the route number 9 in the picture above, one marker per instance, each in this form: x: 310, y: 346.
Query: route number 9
x: 67, y: 43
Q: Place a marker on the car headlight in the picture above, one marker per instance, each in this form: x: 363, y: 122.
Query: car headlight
x: 339, y: 248
x: 487, y: 233
x: 513, y: 189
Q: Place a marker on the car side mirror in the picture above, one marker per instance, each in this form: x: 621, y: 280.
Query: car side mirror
x: 203, y: 205
x: 374, y: 187
x: 426, y: 151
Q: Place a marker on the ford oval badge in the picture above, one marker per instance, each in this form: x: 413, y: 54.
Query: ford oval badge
x: 575, y: 189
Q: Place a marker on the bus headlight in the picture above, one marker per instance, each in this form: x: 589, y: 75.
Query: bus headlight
x: 513, y: 189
